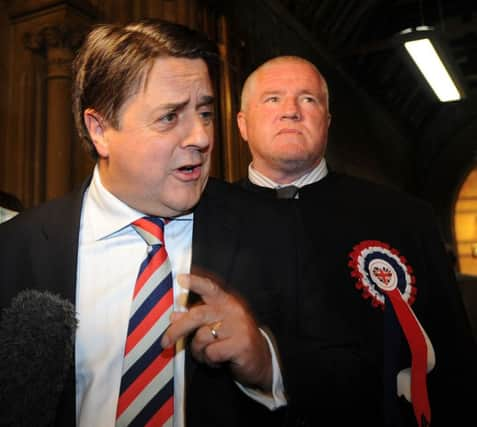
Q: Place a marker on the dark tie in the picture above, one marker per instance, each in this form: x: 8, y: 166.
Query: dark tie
x: 288, y: 192
x: 146, y: 395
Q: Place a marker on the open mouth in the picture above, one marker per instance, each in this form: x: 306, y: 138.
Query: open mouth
x: 189, y: 172
x: 188, y: 168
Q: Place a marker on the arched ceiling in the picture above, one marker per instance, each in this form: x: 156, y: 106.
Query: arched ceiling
x: 361, y: 34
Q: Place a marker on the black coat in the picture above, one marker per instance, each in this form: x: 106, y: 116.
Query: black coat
x: 346, y: 352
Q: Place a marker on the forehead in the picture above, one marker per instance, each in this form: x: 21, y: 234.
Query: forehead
x: 169, y: 82
x: 283, y: 75
x: 170, y: 75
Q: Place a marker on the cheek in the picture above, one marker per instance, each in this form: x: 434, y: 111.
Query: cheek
x: 156, y: 149
x: 262, y: 126
x: 323, y: 130
x: 317, y: 124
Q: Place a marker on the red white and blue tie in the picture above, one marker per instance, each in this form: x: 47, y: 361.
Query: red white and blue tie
x: 146, y: 396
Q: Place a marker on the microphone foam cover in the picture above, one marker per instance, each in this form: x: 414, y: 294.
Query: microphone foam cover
x: 36, y: 353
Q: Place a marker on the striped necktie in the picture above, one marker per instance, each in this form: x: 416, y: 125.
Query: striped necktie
x: 146, y: 396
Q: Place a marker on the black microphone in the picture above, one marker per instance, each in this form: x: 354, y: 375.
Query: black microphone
x: 36, y: 354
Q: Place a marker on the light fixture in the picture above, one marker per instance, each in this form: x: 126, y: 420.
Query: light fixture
x: 428, y: 51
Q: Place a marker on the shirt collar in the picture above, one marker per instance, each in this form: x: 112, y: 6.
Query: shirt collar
x: 316, y: 174
x: 104, y: 212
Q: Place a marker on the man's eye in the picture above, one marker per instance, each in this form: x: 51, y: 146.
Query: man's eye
x: 272, y: 99
x: 309, y: 99
x: 207, y: 116
x: 168, y: 118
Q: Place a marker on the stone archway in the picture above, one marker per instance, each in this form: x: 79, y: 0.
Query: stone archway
x: 465, y: 225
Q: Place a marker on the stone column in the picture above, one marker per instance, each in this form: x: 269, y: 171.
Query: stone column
x: 57, y: 44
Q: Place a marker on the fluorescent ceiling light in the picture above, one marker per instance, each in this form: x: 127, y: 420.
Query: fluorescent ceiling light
x: 429, y: 63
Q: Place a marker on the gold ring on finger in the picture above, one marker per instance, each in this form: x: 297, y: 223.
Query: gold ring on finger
x: 214, y: 328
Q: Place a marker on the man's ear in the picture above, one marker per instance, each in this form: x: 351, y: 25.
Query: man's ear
x: 96, y: 126
x: 242, y: 124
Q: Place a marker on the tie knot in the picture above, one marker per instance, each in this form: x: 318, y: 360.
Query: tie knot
x: 287, y: 192
x: 151, y: 229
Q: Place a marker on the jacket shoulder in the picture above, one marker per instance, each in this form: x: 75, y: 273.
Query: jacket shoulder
x: 375, y: 195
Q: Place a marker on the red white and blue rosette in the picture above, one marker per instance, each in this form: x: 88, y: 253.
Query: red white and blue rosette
x: 379, y: 269
x: 385, y: 278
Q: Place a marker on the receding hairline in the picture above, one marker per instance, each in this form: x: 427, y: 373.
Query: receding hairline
x: 246, y: 88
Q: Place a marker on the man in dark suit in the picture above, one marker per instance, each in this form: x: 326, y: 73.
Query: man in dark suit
x: 381, y: 336
x: 143, y: 105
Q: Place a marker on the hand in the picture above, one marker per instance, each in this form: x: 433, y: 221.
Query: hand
x: 238, y: 340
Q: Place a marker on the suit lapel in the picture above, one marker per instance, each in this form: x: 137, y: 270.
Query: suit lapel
x: 60, y: 233
x: 55, y: 262
x: 214, y: 243
x: 216, y: 233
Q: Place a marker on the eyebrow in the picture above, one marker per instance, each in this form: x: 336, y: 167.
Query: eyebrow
x: 281, y: 92
x: 177, y: 106
x: 173, y: 106
x: 272, y: 92
x: 205, y: 100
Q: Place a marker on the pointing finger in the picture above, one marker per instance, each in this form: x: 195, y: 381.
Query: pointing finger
x: 188, y: 322
x: 203, y: 286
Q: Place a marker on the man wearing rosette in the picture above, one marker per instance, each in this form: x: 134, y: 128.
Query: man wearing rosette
x: 378, y: 332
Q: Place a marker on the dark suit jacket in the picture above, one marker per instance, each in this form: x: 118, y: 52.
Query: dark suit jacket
x: 347, y: 352
x: 234, y: 240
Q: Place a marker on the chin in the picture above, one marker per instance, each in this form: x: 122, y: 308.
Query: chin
x: 293, y: 158
x: 181, y: 197
x: 185, y: 204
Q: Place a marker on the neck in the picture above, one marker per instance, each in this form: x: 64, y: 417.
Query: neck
x: 279, y: 176
x: 273, y: 180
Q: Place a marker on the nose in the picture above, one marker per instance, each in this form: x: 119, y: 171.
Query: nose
x: 291, y: 110
x: 200, y: 135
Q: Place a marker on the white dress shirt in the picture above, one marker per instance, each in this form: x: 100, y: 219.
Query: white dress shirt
x: 6, y: 214
x: 109, y: 255
x: 317, y: 173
